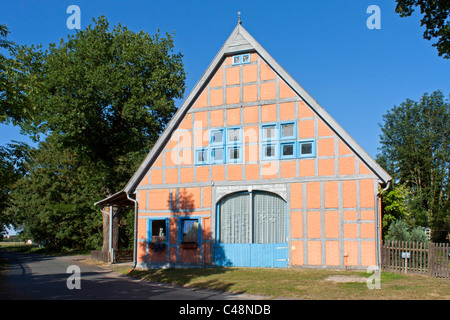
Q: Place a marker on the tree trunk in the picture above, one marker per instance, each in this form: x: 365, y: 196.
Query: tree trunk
x: 115, y: 240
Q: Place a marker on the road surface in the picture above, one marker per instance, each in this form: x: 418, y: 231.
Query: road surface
x: 32, y: 276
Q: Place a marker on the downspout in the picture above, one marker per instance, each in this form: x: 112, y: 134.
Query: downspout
x: 378, y: 222
x: 135, y: 229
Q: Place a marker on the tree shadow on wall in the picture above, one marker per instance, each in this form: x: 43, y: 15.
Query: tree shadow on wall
x: 181, y: 202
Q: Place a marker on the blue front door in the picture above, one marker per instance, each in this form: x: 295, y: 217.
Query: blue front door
x: 251, y: 229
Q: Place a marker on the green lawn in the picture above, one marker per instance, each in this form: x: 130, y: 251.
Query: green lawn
x: 301, y: 283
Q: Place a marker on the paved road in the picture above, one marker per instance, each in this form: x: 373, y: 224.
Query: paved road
x: 32, y: 276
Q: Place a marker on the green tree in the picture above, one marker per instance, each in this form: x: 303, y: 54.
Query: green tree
x: 435, y: 19
x: 105, y: 95
x: 400, y: 231
x: 53, y: 202
x: 18, y: 83
x: 12, y: 160
x: 395, y: 205
x: 415, y: 150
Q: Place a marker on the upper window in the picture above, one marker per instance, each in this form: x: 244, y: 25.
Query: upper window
x: 234, y: 135
x: 217, y: 136
x: 287, y: 130
x: 269, y: 132
x: 307, y: 148
x: 241, y: 59
x: 217, y: 155
x: 201, y: 156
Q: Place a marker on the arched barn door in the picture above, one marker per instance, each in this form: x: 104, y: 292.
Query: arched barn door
x: 251, y: 230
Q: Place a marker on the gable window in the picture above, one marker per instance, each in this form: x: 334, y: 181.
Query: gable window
x: 201, y: 156
x: 287, y: 150
x: 269, y: 151
x: 307, y: 148
x: 225, y: 145
x: 287, y: 130
x: 217, y: 137
x: 234, y: 135
x: 241, y: 59
x: 217, y: 155
x: 234, y: 154
x: 269, y: 132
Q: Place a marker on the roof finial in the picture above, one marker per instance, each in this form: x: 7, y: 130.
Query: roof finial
x: 239, y: 15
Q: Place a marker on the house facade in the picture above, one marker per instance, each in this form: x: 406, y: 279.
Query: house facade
x: 252, y: 171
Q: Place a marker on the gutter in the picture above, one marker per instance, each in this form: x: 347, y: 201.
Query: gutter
x: 378, y: 222
x: 135, y: 229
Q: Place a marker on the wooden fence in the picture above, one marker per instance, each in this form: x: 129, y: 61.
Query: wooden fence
x: 416, y: 257
x: 123, y: 255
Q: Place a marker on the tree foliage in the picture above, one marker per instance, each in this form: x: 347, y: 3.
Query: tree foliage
x: 100, y: 99
x: 53, y: 202
x: 400, y: 231
x: 435, y: 18
x: 12, y: 167
x: 105, y: 94
x: 415, y: 150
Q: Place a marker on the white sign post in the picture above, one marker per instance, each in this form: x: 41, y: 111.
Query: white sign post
x: 406, y: 255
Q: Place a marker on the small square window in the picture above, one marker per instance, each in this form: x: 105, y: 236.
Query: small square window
x: 234, y: 135
x: 234, y: 154
x: 287, y: 150
x: 241, y: 59
x: 287, y: 130
x: 307, y: 149
x: 269, y: 151
x: 217, y: 136
x: 201, y: 156
x: 217, y: 155
x: 269, y: 132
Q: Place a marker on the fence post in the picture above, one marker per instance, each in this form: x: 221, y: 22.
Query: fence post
x: 431, y: 258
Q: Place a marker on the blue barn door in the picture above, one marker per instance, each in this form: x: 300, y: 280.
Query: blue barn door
x: 251, y: 229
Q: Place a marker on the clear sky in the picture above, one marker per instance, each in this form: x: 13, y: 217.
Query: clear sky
x: 355, y: 73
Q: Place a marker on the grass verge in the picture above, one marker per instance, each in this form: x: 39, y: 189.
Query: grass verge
x: 301, y: 283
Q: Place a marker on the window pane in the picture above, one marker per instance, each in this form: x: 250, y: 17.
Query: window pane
x: 236, y: 59
x: 234, y: 153
x: 269, y: 132
x: 217, y: 136
x: 287, y: 130
x: 158, y: 231
x: 202, y: 156
x: 246, y: 58
x: 269, y: 151
x: 190, y: 230
x: 217, y: 154
x: 234, y: 134
x: 306, y: 148
x: 288, y: 150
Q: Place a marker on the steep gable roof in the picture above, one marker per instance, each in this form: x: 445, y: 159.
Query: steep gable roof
x: 241, y: 41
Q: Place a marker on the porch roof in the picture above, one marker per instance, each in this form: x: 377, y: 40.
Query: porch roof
x: 118, y: 199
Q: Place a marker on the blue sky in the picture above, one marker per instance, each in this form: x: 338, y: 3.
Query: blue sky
x: 355, y: 73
